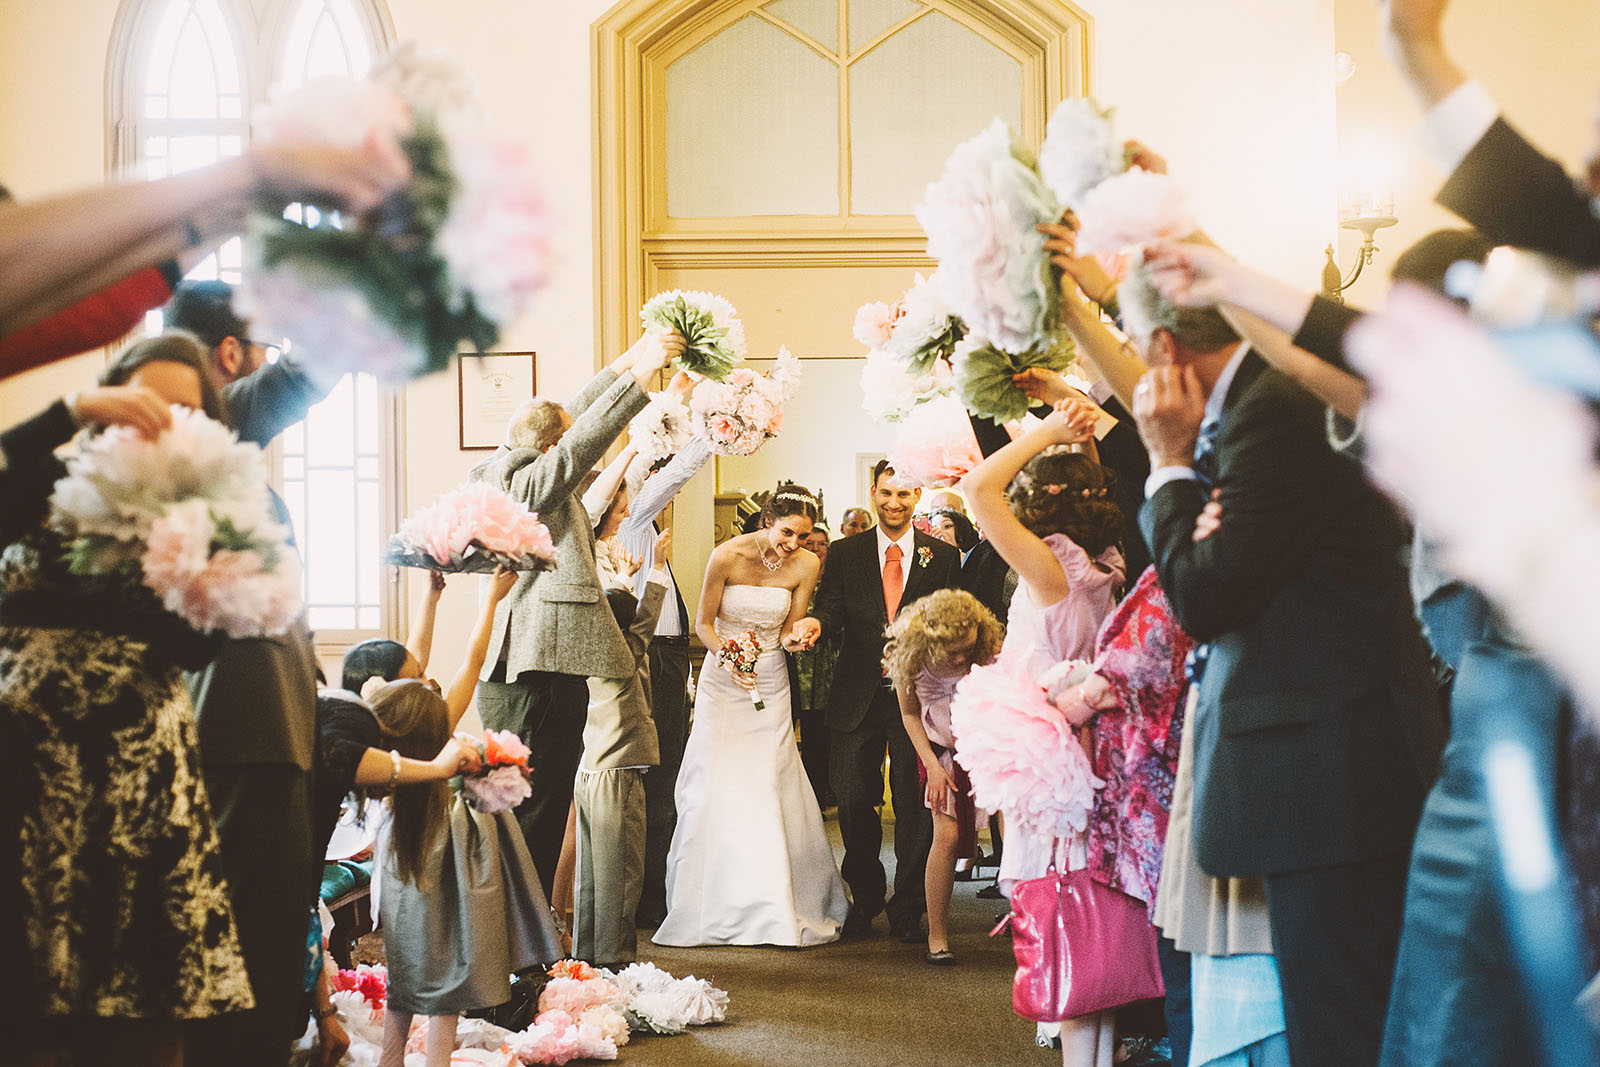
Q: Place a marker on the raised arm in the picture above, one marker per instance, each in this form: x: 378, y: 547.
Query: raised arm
x: 603, y: 490
x: 985, y: 488
x: 419, y: 640
x: 459, y: 695
x: 1098, y: 343
x: 56, y: 251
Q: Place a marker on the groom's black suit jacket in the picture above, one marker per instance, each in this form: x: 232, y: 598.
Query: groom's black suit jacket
x: 1318, y: 732
x: 851, y: 607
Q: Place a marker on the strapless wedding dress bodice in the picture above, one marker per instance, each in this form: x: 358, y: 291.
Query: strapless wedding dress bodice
x: 759, y: 609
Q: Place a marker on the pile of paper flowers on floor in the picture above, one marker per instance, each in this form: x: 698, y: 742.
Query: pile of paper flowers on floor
x: 585, y: 1013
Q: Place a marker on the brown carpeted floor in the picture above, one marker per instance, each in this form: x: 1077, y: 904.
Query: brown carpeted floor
x: 859, y: 1003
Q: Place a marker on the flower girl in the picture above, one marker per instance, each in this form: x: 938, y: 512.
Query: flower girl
x: 461, y: 906
x: 932, y: 645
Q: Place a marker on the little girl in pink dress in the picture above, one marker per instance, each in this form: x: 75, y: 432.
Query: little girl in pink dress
x: 1048, y: 511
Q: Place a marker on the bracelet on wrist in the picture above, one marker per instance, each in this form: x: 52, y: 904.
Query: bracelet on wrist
x: 394, y: 773
x: 324, y: 1014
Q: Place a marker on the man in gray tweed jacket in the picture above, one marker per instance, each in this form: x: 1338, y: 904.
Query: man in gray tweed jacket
x: 555, y: 630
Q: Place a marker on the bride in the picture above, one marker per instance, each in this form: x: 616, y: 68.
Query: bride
x: 749, y: 862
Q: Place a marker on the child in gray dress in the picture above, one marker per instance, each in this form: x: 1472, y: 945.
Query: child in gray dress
x: 461, y: 906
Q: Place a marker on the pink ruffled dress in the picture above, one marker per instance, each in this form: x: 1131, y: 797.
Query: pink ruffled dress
x: 1044, y: 637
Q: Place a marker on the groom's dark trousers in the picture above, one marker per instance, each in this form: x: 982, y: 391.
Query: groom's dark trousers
x: 863, y: 719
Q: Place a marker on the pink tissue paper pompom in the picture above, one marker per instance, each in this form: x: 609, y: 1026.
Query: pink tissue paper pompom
x: 1132, y: 209
x: 1020, y: 751
x: 934, y: 445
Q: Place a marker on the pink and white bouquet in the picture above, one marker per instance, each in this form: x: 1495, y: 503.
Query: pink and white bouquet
x: 455, y: 256
x: 980, y: 218
x: 1020, y: 751
x: 186, y: 515
x: 661, y: 430
x: 501, y: 782
x: 708, y: 323
x: 738, y: 416
x: 473, y: 528
x: 890, y: 393
x: 918, y: 330
x: 934, y: 445
x: 1080, y: 150
x: 1132, y: 209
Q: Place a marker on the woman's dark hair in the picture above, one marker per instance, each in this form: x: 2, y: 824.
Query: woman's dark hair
x: 377, y: 658
x: 792, y: 500
x: 966, y: 533
x: 416, y: 722
x: 1068, y: 493
x: 174, y: 346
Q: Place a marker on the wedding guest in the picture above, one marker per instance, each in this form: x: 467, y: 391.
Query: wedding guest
x: 854, y: 521
x: 1299, y: 590
x: 1134, y: 702
x: 1049, y: 513
x: 811, y: 681
x: 118, y: 887
x: 389, y: 660
x: 461, y: 905
x: 554, y: 631
x: 619, y: 749
x: 931, y: 647
x: 255, y: 707
x: 867, y: 581
x: 954, y: 528
x: 668, y: 660
x: 61, y: 250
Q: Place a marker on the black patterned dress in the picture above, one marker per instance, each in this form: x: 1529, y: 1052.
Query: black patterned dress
x: 122, y: 905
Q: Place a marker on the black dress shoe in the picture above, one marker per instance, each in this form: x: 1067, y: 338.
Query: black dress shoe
x: 907, y: 935
x: 943, y: 958
x: 857, y: 924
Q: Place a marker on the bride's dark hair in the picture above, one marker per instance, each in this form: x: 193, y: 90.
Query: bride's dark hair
x: 792, y: 500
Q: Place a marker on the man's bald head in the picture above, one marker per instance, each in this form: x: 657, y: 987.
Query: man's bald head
x: 537, y: 424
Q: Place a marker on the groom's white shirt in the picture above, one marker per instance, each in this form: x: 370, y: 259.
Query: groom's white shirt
x: 905, y: 541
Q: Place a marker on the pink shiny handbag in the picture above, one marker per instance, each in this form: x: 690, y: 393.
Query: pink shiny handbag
x: 1081, y: 947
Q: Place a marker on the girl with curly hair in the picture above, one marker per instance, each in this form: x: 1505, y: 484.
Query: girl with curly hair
x: 1050, y: 513
x: 932, y: 645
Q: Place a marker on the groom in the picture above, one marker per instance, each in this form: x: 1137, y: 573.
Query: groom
x: 869, y: 577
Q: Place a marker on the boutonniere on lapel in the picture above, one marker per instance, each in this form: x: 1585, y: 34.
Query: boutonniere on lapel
x: 924, y: 556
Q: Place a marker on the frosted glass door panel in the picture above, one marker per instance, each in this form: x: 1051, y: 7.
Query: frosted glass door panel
x: 752, y: 127
x: 819, y: 18
x: 913, y: 99
x: 868, y: 18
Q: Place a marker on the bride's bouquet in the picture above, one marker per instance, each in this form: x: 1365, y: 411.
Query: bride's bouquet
x: 454, y: 256
x: 501, y: 783
x: 187, y: 516
x: 738, y: 416
x: 709, y: 325
x: 741, y: 653
x: 472, y: 529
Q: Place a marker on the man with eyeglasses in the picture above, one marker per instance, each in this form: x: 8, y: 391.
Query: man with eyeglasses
x: 255, y: 709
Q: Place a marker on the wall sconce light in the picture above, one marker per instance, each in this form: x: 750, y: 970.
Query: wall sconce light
x: 1369, y: 209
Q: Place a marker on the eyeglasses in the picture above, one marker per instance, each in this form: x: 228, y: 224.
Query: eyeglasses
x: 273, y: 349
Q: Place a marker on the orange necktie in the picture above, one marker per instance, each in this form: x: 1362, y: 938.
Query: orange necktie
x: 894, y: 581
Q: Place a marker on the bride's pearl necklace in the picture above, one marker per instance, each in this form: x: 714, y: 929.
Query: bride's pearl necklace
x: 763, y: 550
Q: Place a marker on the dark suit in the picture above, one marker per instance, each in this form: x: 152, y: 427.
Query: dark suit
x: 256, y: 712
x: 1317, y: 730
x: 863, y: 717
x: 989, y: 578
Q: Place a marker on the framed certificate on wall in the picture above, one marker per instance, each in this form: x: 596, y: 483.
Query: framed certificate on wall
x: 491, y: 387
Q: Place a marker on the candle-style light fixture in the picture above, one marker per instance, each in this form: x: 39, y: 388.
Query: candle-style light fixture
x: 1368, y: 208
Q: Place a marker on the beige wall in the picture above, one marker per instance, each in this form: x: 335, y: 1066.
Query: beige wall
x: 1237, y: 93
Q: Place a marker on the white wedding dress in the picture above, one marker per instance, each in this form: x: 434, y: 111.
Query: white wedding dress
x: 749, y: 862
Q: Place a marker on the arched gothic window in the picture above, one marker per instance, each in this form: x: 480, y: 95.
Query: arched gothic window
x: 183, y: 79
